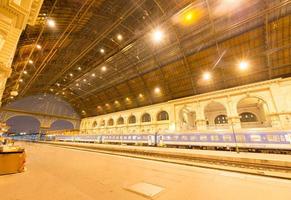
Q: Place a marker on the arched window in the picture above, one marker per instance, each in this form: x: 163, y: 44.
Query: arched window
x: 120, y: 121
x: 94, y: 124
x: 248, y: 117
x: 110, y: 122
x: 146, y: 118
x: 132, y: 119
x: 221, y: 119
x: 163, y: 115
x: 102, y: 123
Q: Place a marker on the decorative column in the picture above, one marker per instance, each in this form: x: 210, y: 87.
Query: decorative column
x: 200, y: 118
x: 232, y: 114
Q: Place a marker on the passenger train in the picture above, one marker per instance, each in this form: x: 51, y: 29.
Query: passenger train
x: 258, y: 141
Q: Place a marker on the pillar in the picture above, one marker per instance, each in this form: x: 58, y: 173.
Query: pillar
x: 200, y: 118
x: 232, y: 114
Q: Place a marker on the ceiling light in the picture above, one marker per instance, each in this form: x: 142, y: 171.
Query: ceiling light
x: 116, y: 102
x: 93, y: 75
x: 71, y: 75
x: 79, y: 68
x: 51, y: 23
x: 51, y: 89
x: 30, y: 62
x: 107, y: 105
x: 21, y: 80
x: 157, y: 90
x: 58, y: 84
x: 25, y: 72
x: 102, y: 51
x: 127, y: 99
x: 63, y: 93
x: 84, y: 80
x: 243, y: 65
x: 119, y: 37
x: 206, y: 76
x: 77, y: 84
x: 140, y: 95
x: 38, y: 46
x: 104, y: 68
x: 157, y: 35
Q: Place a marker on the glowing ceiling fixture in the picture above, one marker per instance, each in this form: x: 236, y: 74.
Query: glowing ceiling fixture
x: 79, y: 68
x: 25, y: 72
x: 38, y: 46
x: 103, y: 69
x: 119, y: 37
x: 243, y: 65
x: 51, y: 23
x: 107, y: 105
x: 30, y: 62
x: 77, y: 84
x: 157, y: 90
x: 206, y: 76
x: 71, y: 75
x: 127, y: 99
x: 51, y: 89
x: 93, y: 75
x: 102, y: 51
x: 84, y: 80
x: 58, y: 84
x: 157, y: 35
x: 116, y: 102
x: 21, y: 80
x: 140, y: 95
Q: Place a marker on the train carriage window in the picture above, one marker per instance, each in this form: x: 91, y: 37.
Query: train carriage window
x: 203, y: 137
x: 255, y: 138
x: 227, y: 138
x: 214, y: 137
x: 273, y: 138
x: 163, y: 115
x: 221, y: 119
x: 248, y: 117
x: 120, y: 121
x: 132, y: 119
x: 146, y: 117
x: 192, y: 138
x: 184, y: 137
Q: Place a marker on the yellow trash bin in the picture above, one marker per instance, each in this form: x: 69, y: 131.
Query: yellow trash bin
x: 12, y: 159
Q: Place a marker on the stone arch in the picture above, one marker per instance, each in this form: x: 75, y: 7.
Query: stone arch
x: 94, y: 124
x: 253, y: 106
x: 146, y: 117
x: 23, y: 123
x: 120, y: 121
x: 162, y: 115
x: 213, y: 111
x: 132, y: 119
x: 110, y: 122
x: 61, y: 124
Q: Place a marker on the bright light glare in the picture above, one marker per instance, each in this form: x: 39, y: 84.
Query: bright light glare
x: 102, y: 51
x: 104, y: 68
x: 93, y: 75
x: 157, y: 35
x: 38, y: 46
x: 119, y: 37
x: 51, y: 23
x: 25, y: 72
x: 243, y: 65
x: 30, y: 61
x: 157, y: 90
x: 206, y: 76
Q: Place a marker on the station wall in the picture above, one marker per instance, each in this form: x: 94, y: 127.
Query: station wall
x: 262, y: 105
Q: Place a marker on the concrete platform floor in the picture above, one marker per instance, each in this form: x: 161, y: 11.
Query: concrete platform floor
x: 55, y: 173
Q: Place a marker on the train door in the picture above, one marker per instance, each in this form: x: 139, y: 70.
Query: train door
x: 151, y: 140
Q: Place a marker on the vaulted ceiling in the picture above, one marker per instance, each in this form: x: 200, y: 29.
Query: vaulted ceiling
x: 101, y: 57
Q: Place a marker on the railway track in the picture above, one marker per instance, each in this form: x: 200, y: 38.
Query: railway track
x: 262, y: 169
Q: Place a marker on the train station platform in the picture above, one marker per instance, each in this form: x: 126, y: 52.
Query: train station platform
x: 63, y: 173
x: 276, y: 165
